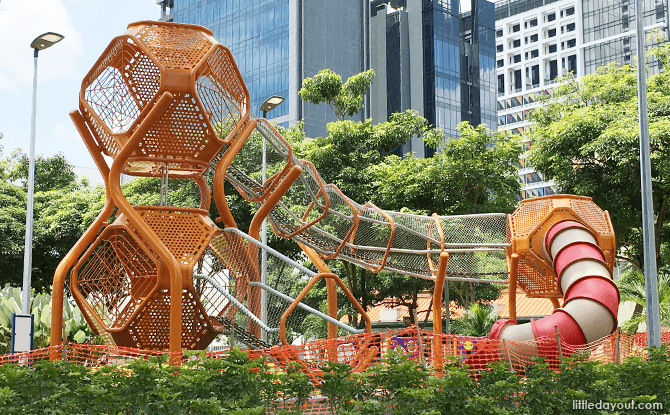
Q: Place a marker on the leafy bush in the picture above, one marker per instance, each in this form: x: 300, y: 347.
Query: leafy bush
x: 74, y: 324
x: 234, y: 384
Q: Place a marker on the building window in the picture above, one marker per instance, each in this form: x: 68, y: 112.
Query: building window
x: 553, y: 69
x: 553, y: 48
x: 624, y: 21
x: 534, y: 53
x: 660, y: 11
x: 500, y: 63
x: 569, y: 11
x: 551, y: 17
x: 517, y: 58
x: 515, y: 43
x: 571, y: 43
x: 533, y: 38
x: 517, y: 80
x: 499, y: 33
x: 499, y: 48
x: 551, y: 32
x: 572, y: 64
x: 501, y: 84
x: 533, y: 23
x: 535, y: 75
x: 570, y: 27
x: 515, y: 28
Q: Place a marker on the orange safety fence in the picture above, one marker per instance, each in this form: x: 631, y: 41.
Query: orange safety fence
x: 362, y: 350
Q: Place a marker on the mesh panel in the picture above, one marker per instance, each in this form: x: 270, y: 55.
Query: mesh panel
x: 185, y: 233
x: 211, y: 299
x: 151, y: 328
x: 122, y: 85
x: 535, y: 279
x: 221, y: 90
x: 114, y: 277
x: 593, y: 215
x: 321, y: 217
x: 234, y: 254
x: 107, y: 143
x: 528, y: 215
x: 175, y: 49
x: 181, y: 132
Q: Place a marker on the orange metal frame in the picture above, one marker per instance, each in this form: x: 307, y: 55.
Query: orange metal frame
x: 154, y: 102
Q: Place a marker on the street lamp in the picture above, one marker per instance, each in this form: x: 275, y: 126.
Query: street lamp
x: 40, y: 43
x: 267, y: 106
x: 270, y: 104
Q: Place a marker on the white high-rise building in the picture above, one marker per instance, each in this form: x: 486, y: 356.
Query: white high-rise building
x: 540, y: 40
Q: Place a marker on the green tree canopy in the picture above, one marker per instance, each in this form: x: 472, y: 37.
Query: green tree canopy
x: 63, y: 209
x: 586, y: 140
x: 344, y: 99
x: 476, y: 173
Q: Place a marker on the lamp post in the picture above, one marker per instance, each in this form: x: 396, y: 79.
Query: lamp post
x: 648, y: 237
x: 40, y: 43
x: 267, y: 106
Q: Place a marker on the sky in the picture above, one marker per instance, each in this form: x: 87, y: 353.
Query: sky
x: 88, y: 26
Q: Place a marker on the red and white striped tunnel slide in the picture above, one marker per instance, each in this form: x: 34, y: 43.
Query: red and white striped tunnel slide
x: 590, y: 297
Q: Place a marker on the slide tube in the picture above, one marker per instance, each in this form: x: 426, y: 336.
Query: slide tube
x: 590, y: 297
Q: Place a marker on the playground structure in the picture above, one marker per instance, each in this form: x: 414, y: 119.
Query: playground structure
x: 167, y: 101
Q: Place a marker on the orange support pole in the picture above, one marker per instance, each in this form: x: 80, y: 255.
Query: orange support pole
x: 146, y: 232
x: 220, y: 174
x: 89, y: 235
x: 437, y: 309
x: 331, y: 287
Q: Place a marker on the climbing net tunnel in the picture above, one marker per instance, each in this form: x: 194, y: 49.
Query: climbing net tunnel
x: 167, y: 101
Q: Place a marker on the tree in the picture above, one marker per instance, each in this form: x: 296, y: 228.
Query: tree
x: 476, y: 321
x: 586, y: 140
x: 63, y: 209
x: 632, y: 288
x: 476, y: 173
x: 344, y: 99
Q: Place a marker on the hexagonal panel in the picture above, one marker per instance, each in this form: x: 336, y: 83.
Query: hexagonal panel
x: 114, y: 277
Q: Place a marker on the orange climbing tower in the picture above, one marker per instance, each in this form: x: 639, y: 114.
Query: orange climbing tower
x: 152, y: 103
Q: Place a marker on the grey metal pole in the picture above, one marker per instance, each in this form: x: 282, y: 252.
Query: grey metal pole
x: 649, y: 243
x: 28, y: 254
x: 264, y: 254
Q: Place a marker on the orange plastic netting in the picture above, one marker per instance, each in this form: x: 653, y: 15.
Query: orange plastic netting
x: 362, y: 350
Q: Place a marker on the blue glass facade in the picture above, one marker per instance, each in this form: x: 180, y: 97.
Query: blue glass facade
x: 442, y: 73
x: 487, y: 64
x: 257, y: 33
x: 456, y: 86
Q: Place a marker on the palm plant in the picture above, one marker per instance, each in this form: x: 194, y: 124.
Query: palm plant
x: 476, y: 321
x: 632, y: 288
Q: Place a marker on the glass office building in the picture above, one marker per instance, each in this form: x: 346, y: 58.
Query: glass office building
x: 257, y: 33
x: 428, y: 55
x: 433, y: 57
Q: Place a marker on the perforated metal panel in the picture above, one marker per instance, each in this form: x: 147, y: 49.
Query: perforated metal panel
x: 115, y: 276
x: 150, y: 330
x: 181, y: 49
x: 185, y: 233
